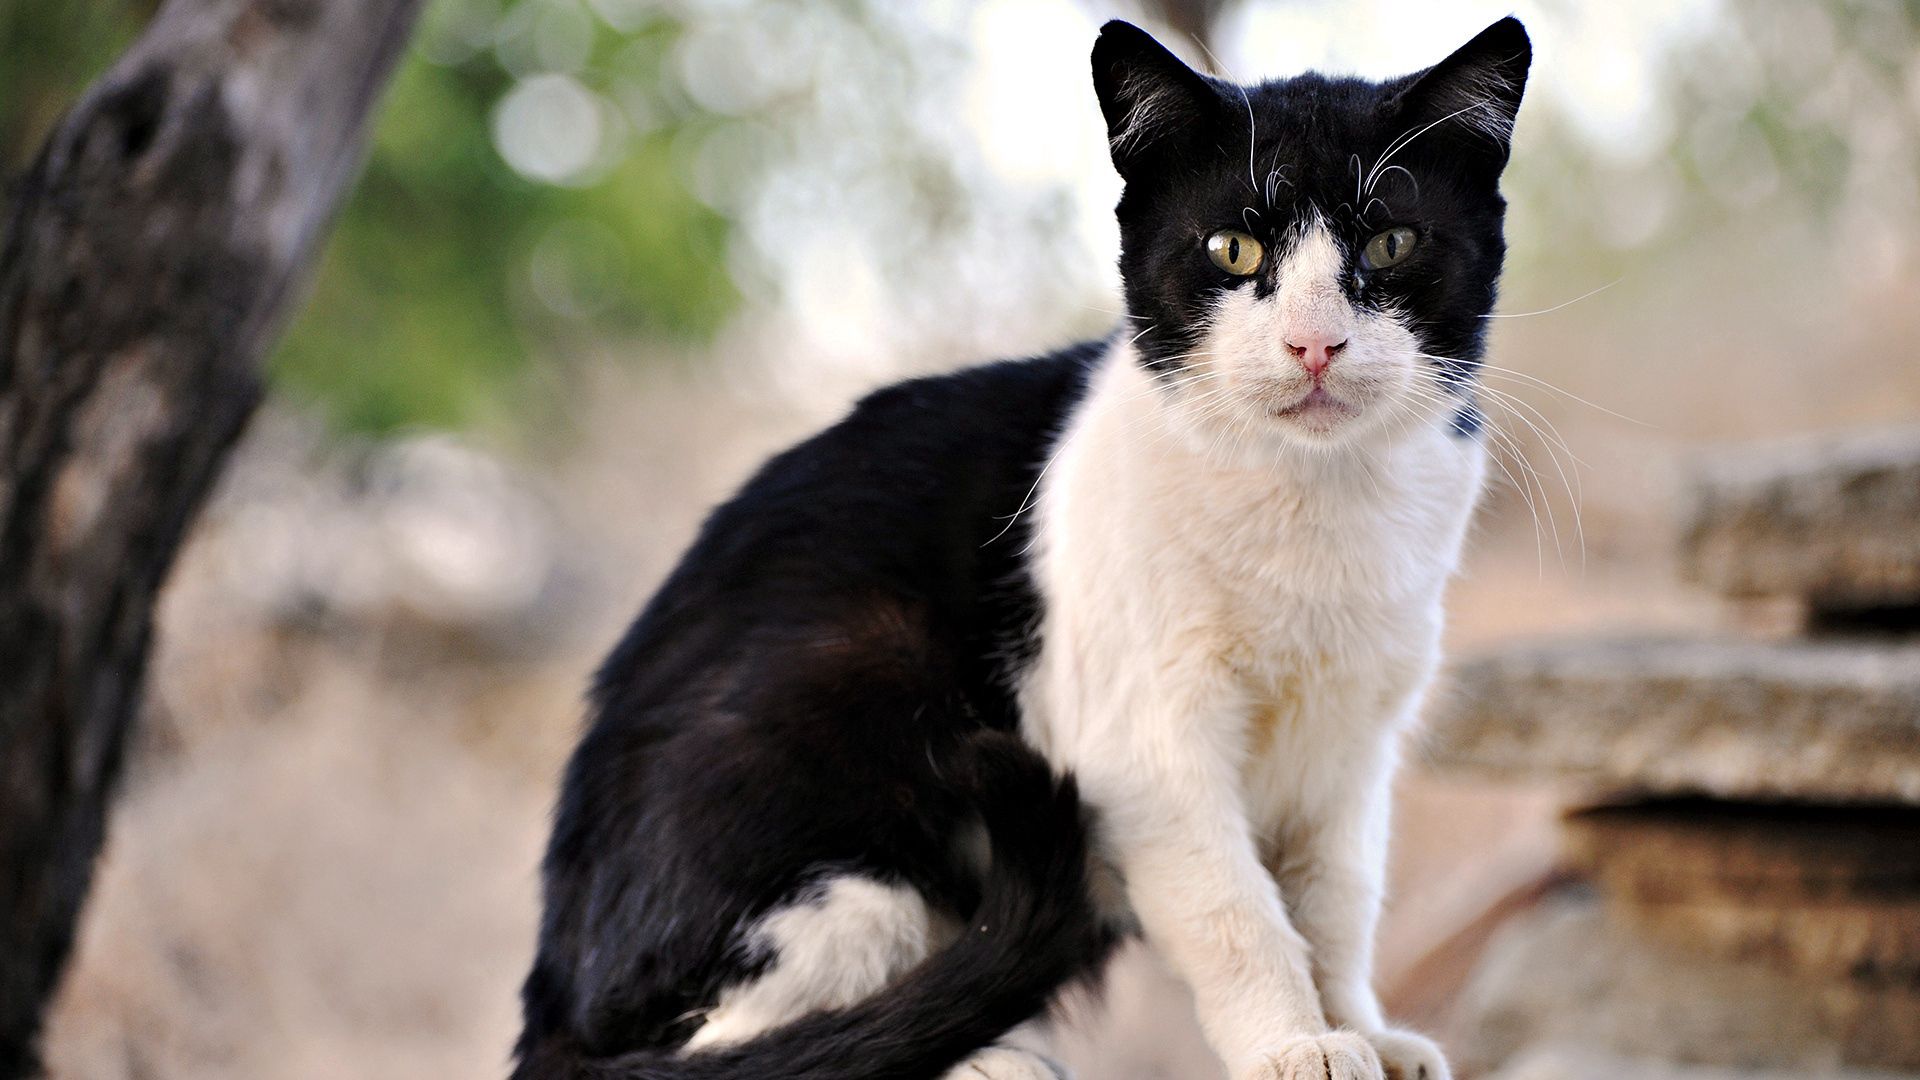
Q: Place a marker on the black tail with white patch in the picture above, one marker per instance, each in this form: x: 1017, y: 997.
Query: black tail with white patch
x: 1034, y: 931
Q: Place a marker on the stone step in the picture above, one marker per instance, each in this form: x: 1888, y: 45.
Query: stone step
x: 1834, y: 520
x: 1823, y: 720
x: 1701, y: 849
x: 1831, y: 893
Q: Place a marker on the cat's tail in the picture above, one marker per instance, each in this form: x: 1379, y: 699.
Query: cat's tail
x: 1035, y: 930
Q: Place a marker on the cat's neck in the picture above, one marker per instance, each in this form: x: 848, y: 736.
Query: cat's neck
x: 1137, y: 499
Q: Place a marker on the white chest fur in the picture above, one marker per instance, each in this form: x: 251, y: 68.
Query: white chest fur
x: 1286, y: 605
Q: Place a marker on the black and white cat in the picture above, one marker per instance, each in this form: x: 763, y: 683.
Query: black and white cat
x: 1019, y: 660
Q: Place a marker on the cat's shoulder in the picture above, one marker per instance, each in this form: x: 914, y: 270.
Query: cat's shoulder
x: 988, y: 417
x: 936, y: 437
x: 1002, y: 388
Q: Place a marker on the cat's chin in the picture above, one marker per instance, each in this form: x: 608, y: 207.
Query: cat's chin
x: 1319, y: 412
x: 1348, y: 412
x: 1320, y: 420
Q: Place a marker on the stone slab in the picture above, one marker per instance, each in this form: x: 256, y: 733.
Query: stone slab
x: 1566, y: 972
x: 1699, y: 849
x: 1822, y: 720
x: 1835, y: 520
x: 1832, y: 893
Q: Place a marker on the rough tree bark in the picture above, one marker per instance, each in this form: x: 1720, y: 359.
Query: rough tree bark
x: 149, y: 260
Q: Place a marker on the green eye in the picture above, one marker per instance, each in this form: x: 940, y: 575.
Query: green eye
x: 1389, y: 247
x: 1235, y: 252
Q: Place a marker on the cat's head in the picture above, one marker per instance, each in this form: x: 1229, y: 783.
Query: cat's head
x: 1309, y: 262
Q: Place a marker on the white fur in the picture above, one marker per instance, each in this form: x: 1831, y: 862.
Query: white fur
x: 829, y: 951
x: 841, y: 945
x: 1243, y: 608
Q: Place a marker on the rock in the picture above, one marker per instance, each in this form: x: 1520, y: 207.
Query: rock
x: 1827, y: 892
x: 1834, y: 520
x: 1825, y: 720
x: 1575, y: 1062
x: 1565, y: 972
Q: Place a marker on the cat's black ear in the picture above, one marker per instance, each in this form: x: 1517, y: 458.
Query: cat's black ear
x: 1153, y: 103
x: 1470, y: 99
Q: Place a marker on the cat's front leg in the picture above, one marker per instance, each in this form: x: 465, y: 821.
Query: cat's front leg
x: 1174, y: 822
x: 1333, y: 872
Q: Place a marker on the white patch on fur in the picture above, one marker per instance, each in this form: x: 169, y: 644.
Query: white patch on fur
x: 1237, y: 387
x: 1242, y: 613
x: 835, y: 948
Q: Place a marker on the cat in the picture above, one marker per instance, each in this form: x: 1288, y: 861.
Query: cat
x: 1020, y: 661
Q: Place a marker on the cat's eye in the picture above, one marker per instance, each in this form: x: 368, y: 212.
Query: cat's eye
x: 1235, y: 252
x: 1388, y: 248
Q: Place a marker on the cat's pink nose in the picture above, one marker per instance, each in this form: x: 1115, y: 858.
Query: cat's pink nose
x: 1315, y: 350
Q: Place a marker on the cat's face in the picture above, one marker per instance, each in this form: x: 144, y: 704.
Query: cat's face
x: 1309, y: 262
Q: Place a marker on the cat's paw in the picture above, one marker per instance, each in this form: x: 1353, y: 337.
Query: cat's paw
x: 1006, y: 1063
x: 1340, y: 1055
x: 1410, y: 1056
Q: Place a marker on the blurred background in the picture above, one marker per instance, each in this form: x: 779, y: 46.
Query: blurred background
x: 607, y: 254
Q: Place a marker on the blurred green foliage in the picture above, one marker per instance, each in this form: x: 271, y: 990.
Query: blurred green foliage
x: 450, y: 270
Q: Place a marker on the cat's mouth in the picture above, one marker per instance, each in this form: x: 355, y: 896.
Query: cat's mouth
x: 1318, y: 409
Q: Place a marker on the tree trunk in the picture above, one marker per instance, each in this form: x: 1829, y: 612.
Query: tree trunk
x: 149, y: 261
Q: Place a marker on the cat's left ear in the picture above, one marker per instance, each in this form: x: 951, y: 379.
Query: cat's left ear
x: 1155, y: 105
x: 1471, y: 98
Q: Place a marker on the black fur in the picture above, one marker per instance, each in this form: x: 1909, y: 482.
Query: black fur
x: 825, y: 683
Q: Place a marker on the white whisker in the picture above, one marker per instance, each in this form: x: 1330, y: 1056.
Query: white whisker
x: 1525, y: 379
x: 1556, y: 307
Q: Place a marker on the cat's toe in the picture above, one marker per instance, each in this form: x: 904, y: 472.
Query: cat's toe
x: 1336, y: 1056
x: 1410, y: 1056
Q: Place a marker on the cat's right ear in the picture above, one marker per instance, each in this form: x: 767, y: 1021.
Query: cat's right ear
x: 1153, y: 103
